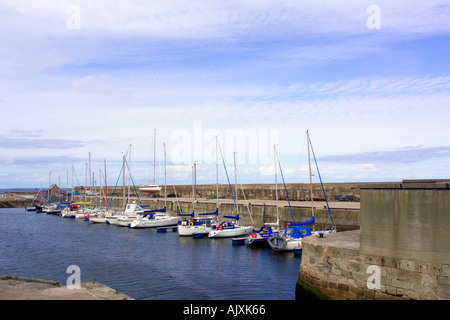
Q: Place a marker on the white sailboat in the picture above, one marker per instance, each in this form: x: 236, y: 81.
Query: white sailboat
x: 132, y: 212
x: 230, y: 228
x: 67, y: 213
x: 202, y: 224
x: 152, y: 188
x: 292, y: 237
x: 156, y: 218
x: 269, y: 229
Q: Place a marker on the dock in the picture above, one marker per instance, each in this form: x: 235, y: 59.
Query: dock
x: 23, y: 288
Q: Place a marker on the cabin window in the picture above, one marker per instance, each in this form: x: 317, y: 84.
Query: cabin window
x: 289, y: 231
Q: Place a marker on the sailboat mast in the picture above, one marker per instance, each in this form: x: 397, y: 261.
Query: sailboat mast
x: 106, y: 185
x: 129, y: 177
x: 154, y: 157
x: 165, y: 177
x: 310, y: 177
x: 276, y: 181
x: 49, y: 185
x: 217, y: 175
x: 235, y: 184
x: 193, y: 186
x: 123, y: 183
x: 72, y: 184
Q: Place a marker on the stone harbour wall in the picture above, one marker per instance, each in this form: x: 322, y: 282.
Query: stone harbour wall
x: 400, y: 252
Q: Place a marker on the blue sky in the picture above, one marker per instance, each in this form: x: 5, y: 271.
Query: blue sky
x: 80, y: 77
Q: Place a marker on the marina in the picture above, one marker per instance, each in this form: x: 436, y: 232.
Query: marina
x: 143, y: 264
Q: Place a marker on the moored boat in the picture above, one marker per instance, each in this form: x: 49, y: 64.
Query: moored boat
x: 154, y: 219
x: 201, y: 224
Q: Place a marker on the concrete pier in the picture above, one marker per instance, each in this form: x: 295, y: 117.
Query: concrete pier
x: 23, y: 288
x: 401, y: 251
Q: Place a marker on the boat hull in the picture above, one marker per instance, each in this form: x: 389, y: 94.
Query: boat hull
x: 154, y: 223
x: 259, y: 239
x: 281, y: 243
x: 236, y: 231
x: 187, y: 231
x: 97, y: 220
x: 111, y: 220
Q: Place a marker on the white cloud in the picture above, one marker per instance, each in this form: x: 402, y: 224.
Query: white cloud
x: 237, y: 19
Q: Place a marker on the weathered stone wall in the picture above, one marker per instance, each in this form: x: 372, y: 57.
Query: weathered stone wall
x: 339, y: 270
x: 296, y: 191
x: 345, y: 219
x: 402, y: 247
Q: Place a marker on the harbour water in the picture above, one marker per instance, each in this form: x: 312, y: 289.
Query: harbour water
x: 143, y: 264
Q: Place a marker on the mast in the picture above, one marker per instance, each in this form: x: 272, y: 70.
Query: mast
x: 49, y: 185
x: 235, y: 184
x: 154, y: 157
x: 85, y: 183
x: 129, y: 178
x: 193, y: 186
x: 72, y: 184
x: 217, y: 176
x: 106, y: 185
x: 165, y: 177
x: 67, y: 176
x: 310, y: 177
x: 123, y: 184
x: 90, y: 179
x: 276, y: 181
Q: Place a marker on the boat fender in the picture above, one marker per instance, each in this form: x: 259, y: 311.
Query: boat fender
x: 254, y: 235
x: 190, y: 224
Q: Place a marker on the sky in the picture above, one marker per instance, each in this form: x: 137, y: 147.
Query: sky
x: 83, y: 83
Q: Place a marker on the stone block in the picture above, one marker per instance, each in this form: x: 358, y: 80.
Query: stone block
x: 445, y: 270
x: 409, y: 265
x: 391, y: 290
x: 343, y: 286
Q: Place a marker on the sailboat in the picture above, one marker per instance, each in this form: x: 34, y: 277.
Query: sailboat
x: 292, y: 237
x: 152, y: 188
x: 200, y: 225
x: 230, y: 228
x: 158, y: 217
x: 268, y: 230
x: 130, y: 210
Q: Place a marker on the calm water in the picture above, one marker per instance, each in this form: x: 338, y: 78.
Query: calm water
x: 143, y: 264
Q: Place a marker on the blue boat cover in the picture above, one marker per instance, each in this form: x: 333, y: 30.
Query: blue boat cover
x: 305, y: 223
x: 186, y: 214
x: 156, y: 210
x: 297, y: 232
x: 210, y: 213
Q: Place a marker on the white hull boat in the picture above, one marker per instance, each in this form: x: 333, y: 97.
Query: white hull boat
x: 132, y: 212
x: 111, y: 220
x: 97, y: 219
x: 155, y: 221
x: 67, y: 213
x: 186, y: 230
x: 226, y: 232
x: 150, y: 188
x: 199, y: 225
x: 124, y: 221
